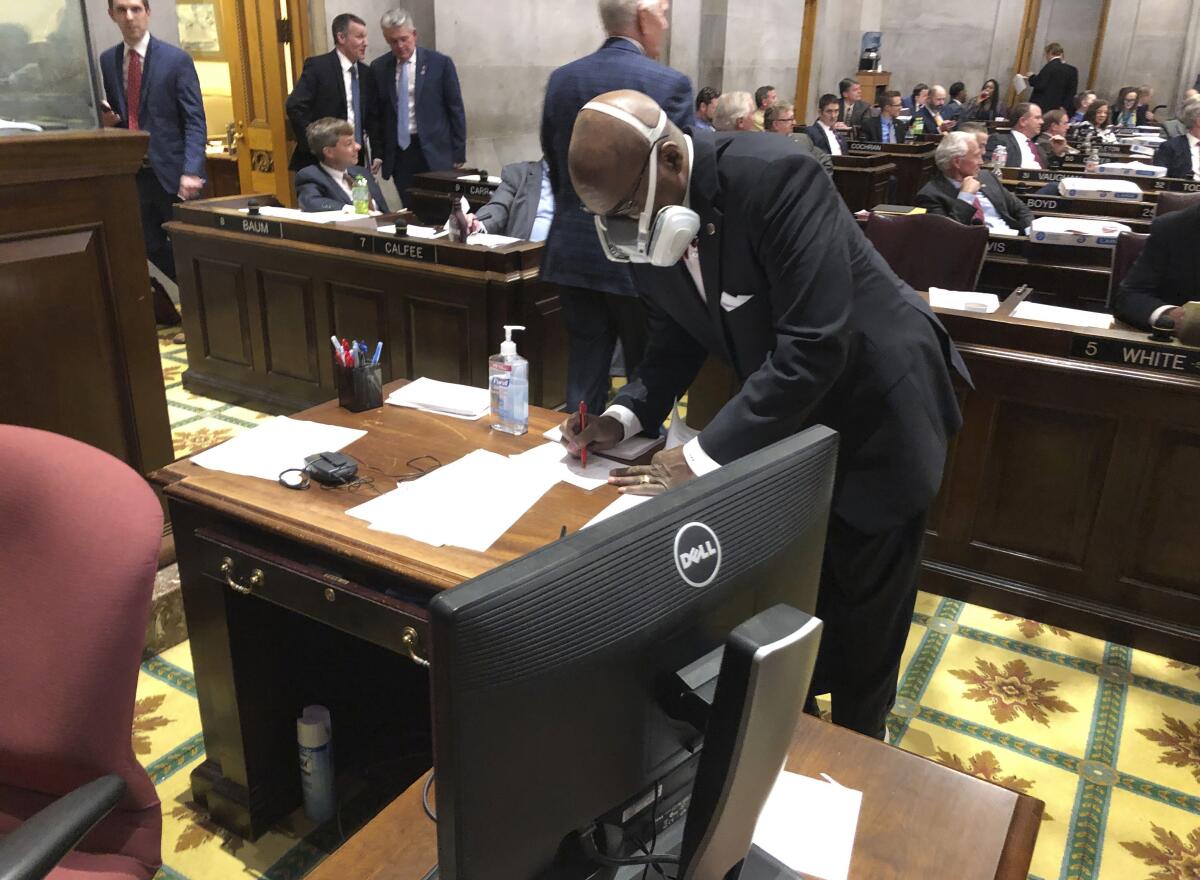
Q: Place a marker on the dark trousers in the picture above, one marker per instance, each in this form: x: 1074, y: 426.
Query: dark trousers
x: 156, y: 203
x: 409, y: 162
x: 595, y: 321
x: 868, y: 590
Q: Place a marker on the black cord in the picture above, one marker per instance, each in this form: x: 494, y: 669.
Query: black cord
x: 592, y: 853
x: 425, y: 797
x: 416, y: 472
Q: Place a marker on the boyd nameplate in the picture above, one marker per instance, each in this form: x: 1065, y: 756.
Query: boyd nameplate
x: 405, y: 249
x: 1144, y: 356
x: 249, y: 225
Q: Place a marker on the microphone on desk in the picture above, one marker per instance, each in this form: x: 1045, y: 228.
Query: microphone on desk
x: 252, y: 207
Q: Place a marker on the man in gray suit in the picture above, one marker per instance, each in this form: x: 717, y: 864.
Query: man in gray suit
x: 329, y: 185
x: 521, y: 207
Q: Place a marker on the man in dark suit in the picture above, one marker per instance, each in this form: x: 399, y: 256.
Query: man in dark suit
x: 852, y: 109
x: 886, y: 128
x: 933, y: 120
x: 823, y: 131
x: 1180, y: 155
x: 337, y: 85
x: 521, y: 207
x: 598, y: 299
x: 963, y: 191
x: 1019, y: 142
x: 329, y: 185
x: 152, y: 86
x: 1166, y: 274
x: 780, y: 118
x: 1055, y: 85
x: 781, y: 285
x: 424, y: 124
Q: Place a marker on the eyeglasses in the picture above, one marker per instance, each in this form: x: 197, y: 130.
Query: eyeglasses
x: 785, y: 119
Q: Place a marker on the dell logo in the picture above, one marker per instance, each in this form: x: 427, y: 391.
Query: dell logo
x: 697, y: 554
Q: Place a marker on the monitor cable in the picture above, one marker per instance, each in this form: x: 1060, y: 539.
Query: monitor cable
x: 425, y: 797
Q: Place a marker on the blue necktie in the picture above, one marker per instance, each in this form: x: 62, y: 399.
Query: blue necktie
x: 356, y: 103
x: 403, y: 138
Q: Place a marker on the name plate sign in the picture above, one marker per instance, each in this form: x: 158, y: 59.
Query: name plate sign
x: 405, y: 249
x: 865, y: 147
x: 1143, y: 355
x: 480, y: 190
x: 260, y: 226
x: 1007, y: 247
x: 1144, y: 210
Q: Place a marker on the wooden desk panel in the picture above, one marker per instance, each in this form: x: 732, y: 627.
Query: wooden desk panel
x: 863, y: 181
x: 914, y: 165
x: 429, y: 195
x: 918, y: 818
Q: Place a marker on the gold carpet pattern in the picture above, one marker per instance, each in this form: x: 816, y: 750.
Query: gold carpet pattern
x: 1108, y: 737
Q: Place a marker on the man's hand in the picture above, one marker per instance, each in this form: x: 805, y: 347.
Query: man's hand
x: 376, y: 164
x: 190, y: 186
x: 108, y: 118
x: 1176, y: 314
x: 602, y: 432
x: 667, y: 470
x: 473, y: 225
x: 947, y: 125
x: 840, y: 126
x: 971, y: 184
x: 1058, y: 144
x: 460, y: 165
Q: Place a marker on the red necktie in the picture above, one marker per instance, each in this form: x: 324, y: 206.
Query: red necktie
x: 978, y: 216
x: 1033, y: 149
x: 133, y: 91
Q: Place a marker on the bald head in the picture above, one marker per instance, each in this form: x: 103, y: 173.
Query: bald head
x: 610, y: 152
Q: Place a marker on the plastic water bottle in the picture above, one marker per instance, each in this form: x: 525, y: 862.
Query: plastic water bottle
x: 508, y: 379
x: 999, y: 157
x: 361, y: 194
x: 314, y: 736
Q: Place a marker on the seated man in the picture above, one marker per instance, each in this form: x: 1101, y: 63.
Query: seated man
x: 735, y: 112
x: 823, y: 133
x: 521, y: 207
x: 1164, y: 276
x: 1053, y: 139
x: 1022, y: 151
x: 1179, y: 154
x: 764, y: 97
x: 1082, y: 101
x: 706, y: 108
x: 852, y: 109
x: 886, y: 127
x: 329, y: 185
x: 780, y: 118
x: 930, y: 113
x: 965, y: 192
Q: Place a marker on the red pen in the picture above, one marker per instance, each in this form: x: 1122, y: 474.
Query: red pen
x: 582, y: 425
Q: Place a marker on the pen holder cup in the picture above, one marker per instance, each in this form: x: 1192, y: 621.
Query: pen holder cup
x: 359, y: 388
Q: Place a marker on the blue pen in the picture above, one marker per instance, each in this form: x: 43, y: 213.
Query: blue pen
x: 378, y: 352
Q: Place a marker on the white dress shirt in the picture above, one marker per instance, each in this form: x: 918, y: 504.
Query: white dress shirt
x: 991, y: 216
x: 834, y: 144
x: 347, y: 78
x: 141, y: 46
x: 339, y: 177
x: 1028, y: 157
x: 411, y: 64
x: 1194, y: 152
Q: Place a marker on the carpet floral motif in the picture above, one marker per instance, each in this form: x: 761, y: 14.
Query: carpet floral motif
x: 1173, y: 859
x: 985, y: 765
x: 1181, y: 743
x: 200, y: 829
x: 191, y: 442
x: 172, y: 372
x: 1031, y: 629
x: 1186, y: 667
x: 145, y: 722
x: 1012, y: 691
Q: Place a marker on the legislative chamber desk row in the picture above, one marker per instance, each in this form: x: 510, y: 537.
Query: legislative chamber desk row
x: 291, y: 602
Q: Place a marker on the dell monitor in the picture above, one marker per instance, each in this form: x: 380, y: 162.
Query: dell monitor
x: 570, y: 686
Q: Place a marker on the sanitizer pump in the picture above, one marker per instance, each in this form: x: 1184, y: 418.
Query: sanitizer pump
x: 508, y: 379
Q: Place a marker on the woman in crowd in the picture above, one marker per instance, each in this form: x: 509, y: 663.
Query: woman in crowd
x: 1097, y: 122
x: 986, y: 106
x: 1126, y: 112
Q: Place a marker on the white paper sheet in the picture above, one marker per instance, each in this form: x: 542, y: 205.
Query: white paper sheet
x: 552, y: 460
x: 1031, y: 311
x: 622, y: 504
x: 487, y: 239
x: 1020, y: 84
x: 963, y: 300
x: 474, y: 178
x: 809, y: 825
x: 414, y: 231
x: 443, y: 398
x: 275, y: 446
x: 635, y: 447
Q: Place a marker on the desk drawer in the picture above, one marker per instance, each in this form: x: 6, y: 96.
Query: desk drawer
x: 247, y: 573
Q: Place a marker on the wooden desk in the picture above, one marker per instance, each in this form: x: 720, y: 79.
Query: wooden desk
x: 918, y: 819
x: 1074, y: 276
x: 914, y: 165
x: 222, y: 170
x: 1036, y: 178
x: 324, y: 622
x: 863, y: 180
x: 260, y: 301
x: 1136, y: 215
x: 429, y: 195
x: 1072, y: 493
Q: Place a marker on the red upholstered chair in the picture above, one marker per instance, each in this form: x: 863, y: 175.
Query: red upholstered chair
x: 1125, y: 253
x: 928, y: 250
x: 79, y: 538
x: 1170, y: 201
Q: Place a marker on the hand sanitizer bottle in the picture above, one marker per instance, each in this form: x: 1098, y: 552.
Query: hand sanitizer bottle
x: 508, y: 379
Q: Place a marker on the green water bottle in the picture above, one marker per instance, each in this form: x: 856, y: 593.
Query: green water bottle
x: 361, y: 195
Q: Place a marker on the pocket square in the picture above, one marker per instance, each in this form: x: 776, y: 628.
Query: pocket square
x: 731, y: 301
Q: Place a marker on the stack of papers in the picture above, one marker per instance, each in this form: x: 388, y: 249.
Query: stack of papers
x: 551, y: 460
x: 474, y: 178
x: 1059, y: 315
x: 431, y: 509
x: 443, y: 398
x: 414, y: 231
x: 809, y: 825
x: 1133, y: 169
x: 341, y: 216
x: 627, y: 450
x: 486, y: 239
x: 275, y: 446
x: 963, y: 300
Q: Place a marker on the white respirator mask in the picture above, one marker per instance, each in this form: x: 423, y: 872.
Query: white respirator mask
x: 662, y: 242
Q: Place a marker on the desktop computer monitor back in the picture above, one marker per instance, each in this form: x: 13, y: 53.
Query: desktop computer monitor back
x: 553, y: 676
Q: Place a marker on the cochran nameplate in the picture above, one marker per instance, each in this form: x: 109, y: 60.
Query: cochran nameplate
x: 249, y: 225
x: 1142, y: 355
x: 866, y: 147
x: 405, y: 249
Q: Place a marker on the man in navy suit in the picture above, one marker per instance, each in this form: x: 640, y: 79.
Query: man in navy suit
x: 598, y: 299
x: 1179, y: 154
x: 822, y: 132
x: 337, y: 84
x: 152, y: 86
x: 329, y: 185
x: 424, y: 125
x: 780, y: 284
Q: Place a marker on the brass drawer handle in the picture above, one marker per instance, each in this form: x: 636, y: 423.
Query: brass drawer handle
x: 411, y: 641
x: 256, y: 578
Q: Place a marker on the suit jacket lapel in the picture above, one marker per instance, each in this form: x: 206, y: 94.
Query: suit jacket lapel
x: 705, y: 191
x: 389, y: 85
x: 419, y: 76
x: 147, y: 72
x: 341, y: 77
x: 119, y: 98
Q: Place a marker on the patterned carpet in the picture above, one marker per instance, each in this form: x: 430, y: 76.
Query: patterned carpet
x: 1107, y: 736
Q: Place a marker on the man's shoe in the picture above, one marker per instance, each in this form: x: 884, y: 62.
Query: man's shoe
x: 179, y: 339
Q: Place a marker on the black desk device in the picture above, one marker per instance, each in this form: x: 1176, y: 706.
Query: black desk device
x: 331, y: 468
